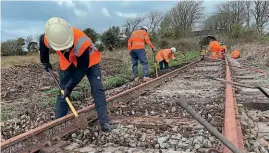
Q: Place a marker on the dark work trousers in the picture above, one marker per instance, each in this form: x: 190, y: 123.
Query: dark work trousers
x: 139, y: 54
x: 163, y: 62
x: 71, y: 77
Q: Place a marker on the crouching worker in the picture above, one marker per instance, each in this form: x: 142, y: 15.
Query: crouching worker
x: 78, y: 57
x: 236, y: 54
x: 163, y: 57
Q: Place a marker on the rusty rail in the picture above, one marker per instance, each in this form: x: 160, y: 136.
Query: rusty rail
x: 37, y: 138
x: 232, y: 128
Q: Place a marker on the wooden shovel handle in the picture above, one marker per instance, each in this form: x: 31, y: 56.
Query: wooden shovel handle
x: 70, y: 105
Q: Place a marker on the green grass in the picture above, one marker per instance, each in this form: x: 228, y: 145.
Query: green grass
x: 53, y: 91
x: 84, y: 83
x: 114, y: 82
x: 75, y: 96
x: 5, y: 116
x: 52, y: 94
x: 48, y: 102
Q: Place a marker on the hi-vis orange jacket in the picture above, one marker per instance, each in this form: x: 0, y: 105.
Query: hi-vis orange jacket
x: 214, y: 46
x: 235, y: 54
x: 164, y: 54
x: 137, y: 40
x: 224, y: 48
x: 81, y: 43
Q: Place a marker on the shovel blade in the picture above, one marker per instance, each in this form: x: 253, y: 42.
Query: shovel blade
x: 81, y: 122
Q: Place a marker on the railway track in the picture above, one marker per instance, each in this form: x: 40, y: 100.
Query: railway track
x: 253, y: 109
x: 147, y: 119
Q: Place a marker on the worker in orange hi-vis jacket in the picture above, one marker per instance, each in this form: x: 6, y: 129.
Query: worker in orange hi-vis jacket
x: 136, y: 47
x: 215, y: 48
x: 236, y: 54
x: 163, y: 57
x: 224, y: 48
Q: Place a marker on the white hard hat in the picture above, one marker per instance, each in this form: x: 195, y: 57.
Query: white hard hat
x: 144, y: 27
x: 59, y: 33
x: 173, y: 49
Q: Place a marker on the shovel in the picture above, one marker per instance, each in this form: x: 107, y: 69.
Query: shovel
x: 241, y: 85
x: 81, y: 121
x: 155, y: 64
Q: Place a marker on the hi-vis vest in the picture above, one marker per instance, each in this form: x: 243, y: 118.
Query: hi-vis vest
x: 81, y: 43
x: 137, y: 40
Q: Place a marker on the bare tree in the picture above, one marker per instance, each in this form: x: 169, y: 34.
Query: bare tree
x: 260, y: 12
x: 132, y: 23
x: 233, y: 12
x: 154, y: 20
x: 183, y: 17
x: 248, y: 9
x: 28, y: 40
x: 12, y: 47
x: 37, y: 37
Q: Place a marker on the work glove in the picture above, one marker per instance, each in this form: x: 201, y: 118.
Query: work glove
x: 67, y: 93
x: 46, y: 66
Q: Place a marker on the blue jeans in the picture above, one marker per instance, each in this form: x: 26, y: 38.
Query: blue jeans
x: 71, y: 77
x: 139, y: 54
x: 163, y: 62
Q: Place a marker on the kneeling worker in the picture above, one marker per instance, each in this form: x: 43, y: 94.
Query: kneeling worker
x: 236, y: 54
x: 163, y: 57
x: 78, y: 57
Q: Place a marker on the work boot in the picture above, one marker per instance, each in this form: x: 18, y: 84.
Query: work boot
x: 145, y: 79
x: 106, y: 127
x: 134, y: 78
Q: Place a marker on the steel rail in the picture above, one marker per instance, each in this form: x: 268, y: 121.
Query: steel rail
x: 232, y: 128
x: 36, y: 138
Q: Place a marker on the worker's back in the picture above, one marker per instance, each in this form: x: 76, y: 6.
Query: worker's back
x: 214, y: 46
x: 138, y: 39
x: 163, y: 54
x: 236, y: 54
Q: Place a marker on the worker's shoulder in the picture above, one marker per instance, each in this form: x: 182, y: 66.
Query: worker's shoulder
x: 139, y: 31
x: 167, y: 50
x: 77, y: 30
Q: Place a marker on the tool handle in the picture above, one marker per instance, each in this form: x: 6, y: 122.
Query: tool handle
x: 155, y: 64
x: 70, y: 105
x: 156, y: 71
x: 55, y: 79
x: 62, y: 91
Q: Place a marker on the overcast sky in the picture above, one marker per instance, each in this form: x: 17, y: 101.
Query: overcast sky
x: 24, y: 18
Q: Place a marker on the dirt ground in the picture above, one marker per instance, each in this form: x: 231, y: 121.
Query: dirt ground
x: 26, y: 88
